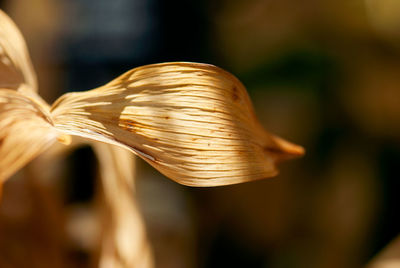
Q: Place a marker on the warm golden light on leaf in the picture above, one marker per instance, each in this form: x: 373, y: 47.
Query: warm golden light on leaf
x: 193, y: 122
x: 25, y: 131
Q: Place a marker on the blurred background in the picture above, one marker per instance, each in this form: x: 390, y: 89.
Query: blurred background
x: 323, y: 74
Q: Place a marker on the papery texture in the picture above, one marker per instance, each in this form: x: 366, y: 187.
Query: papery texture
x: 25, y: 131
x: 193, y: 122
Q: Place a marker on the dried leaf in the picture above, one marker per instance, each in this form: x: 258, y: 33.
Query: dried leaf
x: 193, y: 122
x: 25, y: 131
x: 15, y: 64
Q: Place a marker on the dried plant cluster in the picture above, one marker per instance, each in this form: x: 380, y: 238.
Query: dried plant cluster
x: 193, y: 122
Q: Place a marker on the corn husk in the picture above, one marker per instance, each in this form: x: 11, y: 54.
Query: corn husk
x: 25, y: 131
x: 193, y: 122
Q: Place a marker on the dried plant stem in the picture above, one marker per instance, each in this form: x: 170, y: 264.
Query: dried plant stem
x: 124, y: 241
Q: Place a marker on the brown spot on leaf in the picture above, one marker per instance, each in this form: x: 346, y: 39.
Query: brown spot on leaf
x: 235, y: 94
x: 272, y: 150
x: 127, y: 124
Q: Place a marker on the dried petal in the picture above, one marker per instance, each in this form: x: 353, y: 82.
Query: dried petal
x: 193, y: 122
x: 25, y: 131
x: 15, y: 64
